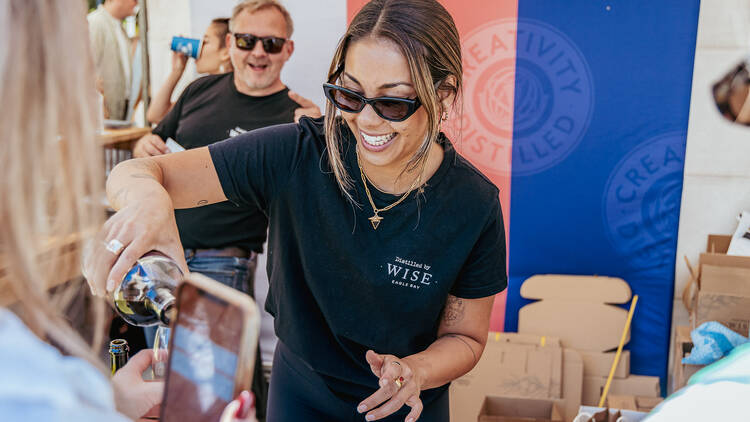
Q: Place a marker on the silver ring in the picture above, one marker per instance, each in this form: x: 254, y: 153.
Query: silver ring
x: 396, y: 362
x: 115, y: 246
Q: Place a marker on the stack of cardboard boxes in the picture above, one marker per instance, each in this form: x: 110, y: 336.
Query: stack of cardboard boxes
x: 723, y: 283
x: 718, y: 291
x: 517, y: 366
x: 579, y: 310
x: 561, y: 354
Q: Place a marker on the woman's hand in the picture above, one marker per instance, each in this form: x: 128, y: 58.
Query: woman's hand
x: 400, y: 383
x: 139, y: 227
x: 134, y: 396
x: 179, y: 61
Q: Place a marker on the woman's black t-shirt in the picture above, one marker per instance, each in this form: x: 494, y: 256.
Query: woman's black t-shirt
x: 338, y: 287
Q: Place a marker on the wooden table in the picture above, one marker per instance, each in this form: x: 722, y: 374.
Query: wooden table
x: 112, y: 137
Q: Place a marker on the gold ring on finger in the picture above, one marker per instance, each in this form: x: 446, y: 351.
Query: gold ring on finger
x: 399, y: 382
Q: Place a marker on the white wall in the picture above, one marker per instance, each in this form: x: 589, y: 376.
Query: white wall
x: 318, y: 26
x: 717, y: 161
x: 167, y: 18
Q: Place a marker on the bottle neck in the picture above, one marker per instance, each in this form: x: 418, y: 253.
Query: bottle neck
x: 162, y: 302
x: 118, y: 354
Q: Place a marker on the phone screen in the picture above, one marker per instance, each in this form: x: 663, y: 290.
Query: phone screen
x: 203, y: 357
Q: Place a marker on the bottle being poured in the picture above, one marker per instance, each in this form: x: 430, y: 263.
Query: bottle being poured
x: 145, y: 297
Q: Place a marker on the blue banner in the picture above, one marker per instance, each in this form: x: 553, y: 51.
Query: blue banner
x: 602, y: 94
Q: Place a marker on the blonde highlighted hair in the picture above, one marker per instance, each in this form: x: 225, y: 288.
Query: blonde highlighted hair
x: 52, y: 165
x: 428, y: 38
x: 252, y: 6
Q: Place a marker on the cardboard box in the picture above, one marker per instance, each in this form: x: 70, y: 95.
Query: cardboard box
x: 723, y: 287
x: 576, y: 309
x: 637, y: 403
x: 572, y: 379
x: 683, y: 345
x: 612, y: 415
x: 636, y: 385
x: 515, y: 409
x: 512, y: 365
x: 599, y: 363
x: 524, y: 365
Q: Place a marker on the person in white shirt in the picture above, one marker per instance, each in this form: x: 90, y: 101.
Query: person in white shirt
x: 110, y: 47
x: 52, y: 168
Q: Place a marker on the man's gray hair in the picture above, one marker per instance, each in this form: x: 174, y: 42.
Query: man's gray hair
x: 256, y: 5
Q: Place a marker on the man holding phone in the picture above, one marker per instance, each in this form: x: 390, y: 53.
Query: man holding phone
x: 222, y: 240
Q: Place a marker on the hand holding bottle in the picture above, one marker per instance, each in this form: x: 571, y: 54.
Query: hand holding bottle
x: 137, y: 228
x: 134, y: 397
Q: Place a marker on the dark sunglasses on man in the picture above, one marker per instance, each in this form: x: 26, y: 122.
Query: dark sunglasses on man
x: 271, y: 45
x: 393, y: 109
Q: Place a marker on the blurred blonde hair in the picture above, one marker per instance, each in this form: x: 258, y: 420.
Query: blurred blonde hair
x: 51, y: 162
x: 255, y: 5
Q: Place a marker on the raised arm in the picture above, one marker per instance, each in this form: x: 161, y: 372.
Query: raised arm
x: 145, y: 192
x: 162, y: 101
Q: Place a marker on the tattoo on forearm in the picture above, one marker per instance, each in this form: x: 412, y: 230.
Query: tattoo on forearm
x: 453, y: 312
x: 202, y: 202
x: 458, y: 337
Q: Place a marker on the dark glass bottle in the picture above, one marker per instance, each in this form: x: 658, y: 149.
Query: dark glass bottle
x: 145, y: 296
x: 119, y: 353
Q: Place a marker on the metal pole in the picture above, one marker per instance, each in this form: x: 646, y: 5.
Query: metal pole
x: 146, y: 75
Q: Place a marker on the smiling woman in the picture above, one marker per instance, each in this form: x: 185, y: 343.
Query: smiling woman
x: 396, y: 48
x: 386, y: 247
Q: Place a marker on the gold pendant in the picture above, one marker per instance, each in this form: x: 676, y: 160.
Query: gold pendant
x: 375, y: 220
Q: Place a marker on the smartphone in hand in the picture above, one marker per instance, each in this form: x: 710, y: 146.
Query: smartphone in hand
x: 211, y: 350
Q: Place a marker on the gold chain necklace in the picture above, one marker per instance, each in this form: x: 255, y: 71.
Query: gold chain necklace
x: 376, y: 219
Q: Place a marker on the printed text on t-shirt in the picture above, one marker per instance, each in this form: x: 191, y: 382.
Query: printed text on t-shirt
x: 409, y: 273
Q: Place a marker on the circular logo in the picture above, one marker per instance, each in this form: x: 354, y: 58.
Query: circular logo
x: 529, y: 97
x: 642, y: 201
